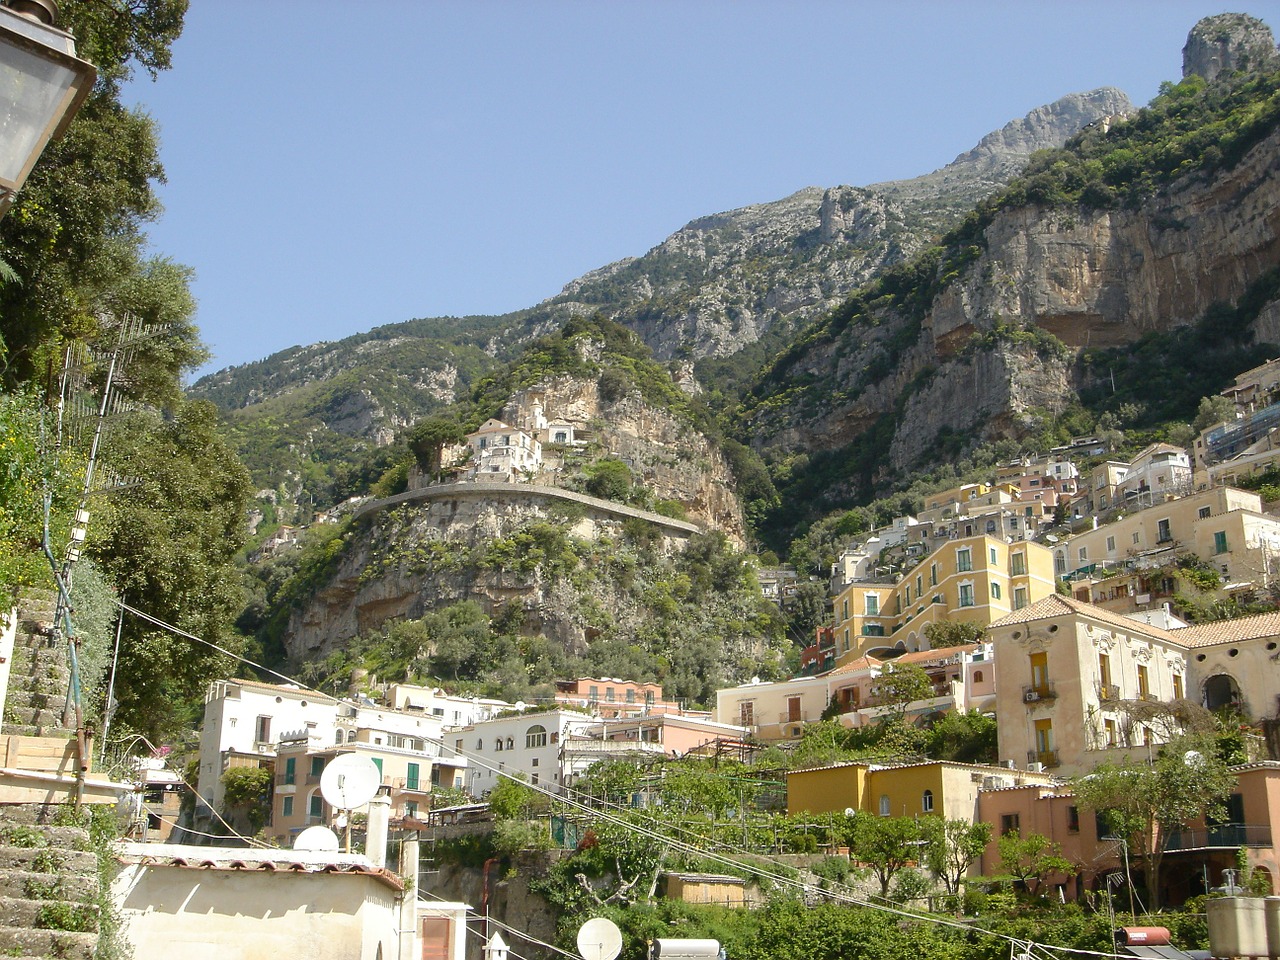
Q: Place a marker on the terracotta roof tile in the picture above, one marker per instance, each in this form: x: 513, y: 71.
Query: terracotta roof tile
x: 1058, y: 605
x: 1230, y: 631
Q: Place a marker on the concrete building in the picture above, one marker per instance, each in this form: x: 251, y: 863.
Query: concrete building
x: 499, y: 450
x: 611, y: 697
x: 973, y: 580
x: 524, y: 744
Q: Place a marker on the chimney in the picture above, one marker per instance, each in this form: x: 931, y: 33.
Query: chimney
x: 375, y: 844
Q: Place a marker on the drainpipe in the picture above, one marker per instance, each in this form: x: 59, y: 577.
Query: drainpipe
x: 484, y: 894
x: 408, y: 925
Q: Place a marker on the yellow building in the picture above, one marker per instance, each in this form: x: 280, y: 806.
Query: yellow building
x: 973, y: 580
x: 940, y: 787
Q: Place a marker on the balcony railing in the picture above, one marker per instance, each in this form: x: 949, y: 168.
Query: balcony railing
x: 1228, y: 835
x: 1108, y: 691
x: 1039, y: 691
x: 1047, y: 758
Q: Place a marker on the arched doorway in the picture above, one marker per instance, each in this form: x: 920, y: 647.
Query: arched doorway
x: 1221, y: 690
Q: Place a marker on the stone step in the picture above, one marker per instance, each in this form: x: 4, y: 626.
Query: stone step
x: 33, y: 700
x: 21, y: 942
x: 44, y: 836
x: 47, y: 886
x: 26, y: 730
x: 34, y: 718
x: 48, y: 859
x: 58, y: 915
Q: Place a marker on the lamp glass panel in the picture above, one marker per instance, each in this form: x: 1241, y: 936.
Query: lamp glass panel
x: 32, y: 88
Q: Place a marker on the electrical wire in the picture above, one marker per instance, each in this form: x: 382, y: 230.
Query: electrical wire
x: 649, y: 833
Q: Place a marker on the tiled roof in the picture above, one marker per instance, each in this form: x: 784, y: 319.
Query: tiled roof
x: 1058, y: 606
x: 862, y: 663
x: 938, y: 654
x: 254, y: 859
x: 1230, y: 631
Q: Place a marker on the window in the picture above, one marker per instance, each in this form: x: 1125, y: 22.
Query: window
x: 316, y: 807
x: 747, y: 713
x: 991, y: 526
x: 1177, y: 687
x: 991, y: 552
x: 317, y: 766
x: 1010, y: 823
x: 884, y: 805
x: 966, y: 594
x: 1073, y: 819
x: 410, y: 808
x: 977, y: 676
x: 1220, y: 542
x: 933, y: 574
x: 1137, y: 537
x: 1040, y: 672
x: 511, y: 743
x: 480, y: 744
x: 1203, y: 513
x: 534, y: 762
x: 926, y: 802
x: 411, y: 777
x: 497, y: 744
x: 286, y: 808
x: 873, y: 605
x: 595, y: 693
x: 377, y: 762
x: 1044, y: 741
x: 995, y: 591
x: 908, y: 594
x: 608, y: 694
x: 1084, y: 553
x: 1018, y: 564
x: 964, y: 560
x: 1019, y: 597
x: 1110, y: 732
x: 534, y: 780
x: 536, y: 736
x: 1162, y: 531
x: 919, y: 586
x: 631, y: 696
x: 846, y: 640
x: 1104, y: 670
x: 873, y: 630
x: 291, y: 770
x: 262, y: 730
x: 1143, y: 689
x: 1111, y: 544
x: 845, y: 608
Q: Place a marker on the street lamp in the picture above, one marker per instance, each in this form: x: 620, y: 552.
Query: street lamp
x: 42, y: 86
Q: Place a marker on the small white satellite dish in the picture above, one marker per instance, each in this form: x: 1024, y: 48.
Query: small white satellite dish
x: 599, y: 939
x: 350, y: 781
x: 317, y: 838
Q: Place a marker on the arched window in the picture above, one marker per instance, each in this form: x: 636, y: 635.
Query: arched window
x: 339, y: 737
x: 351, y: 736
x: 497, y: 744
x: 977, y: 676
x: 536, y: 736
x: 480, y: 744
x: 926, y: 802
x: 511, y: 743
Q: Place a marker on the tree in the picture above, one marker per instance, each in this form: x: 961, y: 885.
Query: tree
x: 885, y: 844
x: 167, y: 542
x: 953, y: 846
x: 953, y: 633
x: 1032, y: 859
x: 246, y: 791
x: 609, y: 479
x: 1215, y: 409
x: 1146, y: 803
x: 900, y: 685
x: 964, y: 737
x: 428, y: 439
x: 512, y: 800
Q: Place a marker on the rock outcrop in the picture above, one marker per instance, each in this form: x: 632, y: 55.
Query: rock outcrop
x: 1227, y: 43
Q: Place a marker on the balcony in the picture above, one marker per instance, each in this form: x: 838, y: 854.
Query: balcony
x: 1108, y: 691
x: 1039, y: 692
x: 1046, y: 758
x: 1227, y: 835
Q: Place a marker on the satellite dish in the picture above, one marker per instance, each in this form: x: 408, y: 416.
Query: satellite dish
x: 599, y: 939
x: 317, y: 838
x: 849, y: 811
x: 350, y: 781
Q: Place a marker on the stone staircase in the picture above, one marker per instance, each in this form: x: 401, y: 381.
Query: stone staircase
x: 39, y: 675
x: 49, y: 886
x: 49, y: 890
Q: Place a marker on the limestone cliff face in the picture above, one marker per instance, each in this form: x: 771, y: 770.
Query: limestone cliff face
x: 724, y: 281
x: 1227, y: 43
x: 669, y: 456
x: 1089, y: 277
x: 424, y: 552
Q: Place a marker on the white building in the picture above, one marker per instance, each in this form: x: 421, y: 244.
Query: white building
x: 525, y: 744
x: 500, y: 450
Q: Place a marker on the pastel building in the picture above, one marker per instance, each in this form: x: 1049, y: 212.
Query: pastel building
x: 499, y: 450
x: 527, y: 745
x: 973, y: 580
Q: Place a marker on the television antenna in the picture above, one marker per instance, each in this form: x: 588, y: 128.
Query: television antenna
x: 348, y: 782
x: 599, y: 939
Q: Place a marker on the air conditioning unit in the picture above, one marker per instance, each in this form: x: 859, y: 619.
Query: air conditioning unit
x: 1035, y: 768
x: 1031, y: 696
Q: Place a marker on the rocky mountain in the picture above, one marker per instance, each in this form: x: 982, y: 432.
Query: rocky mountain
x: 1138, y: 229
x: 303, y: 417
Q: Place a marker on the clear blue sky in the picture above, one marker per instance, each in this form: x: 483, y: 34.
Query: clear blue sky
x: 333, y: 166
